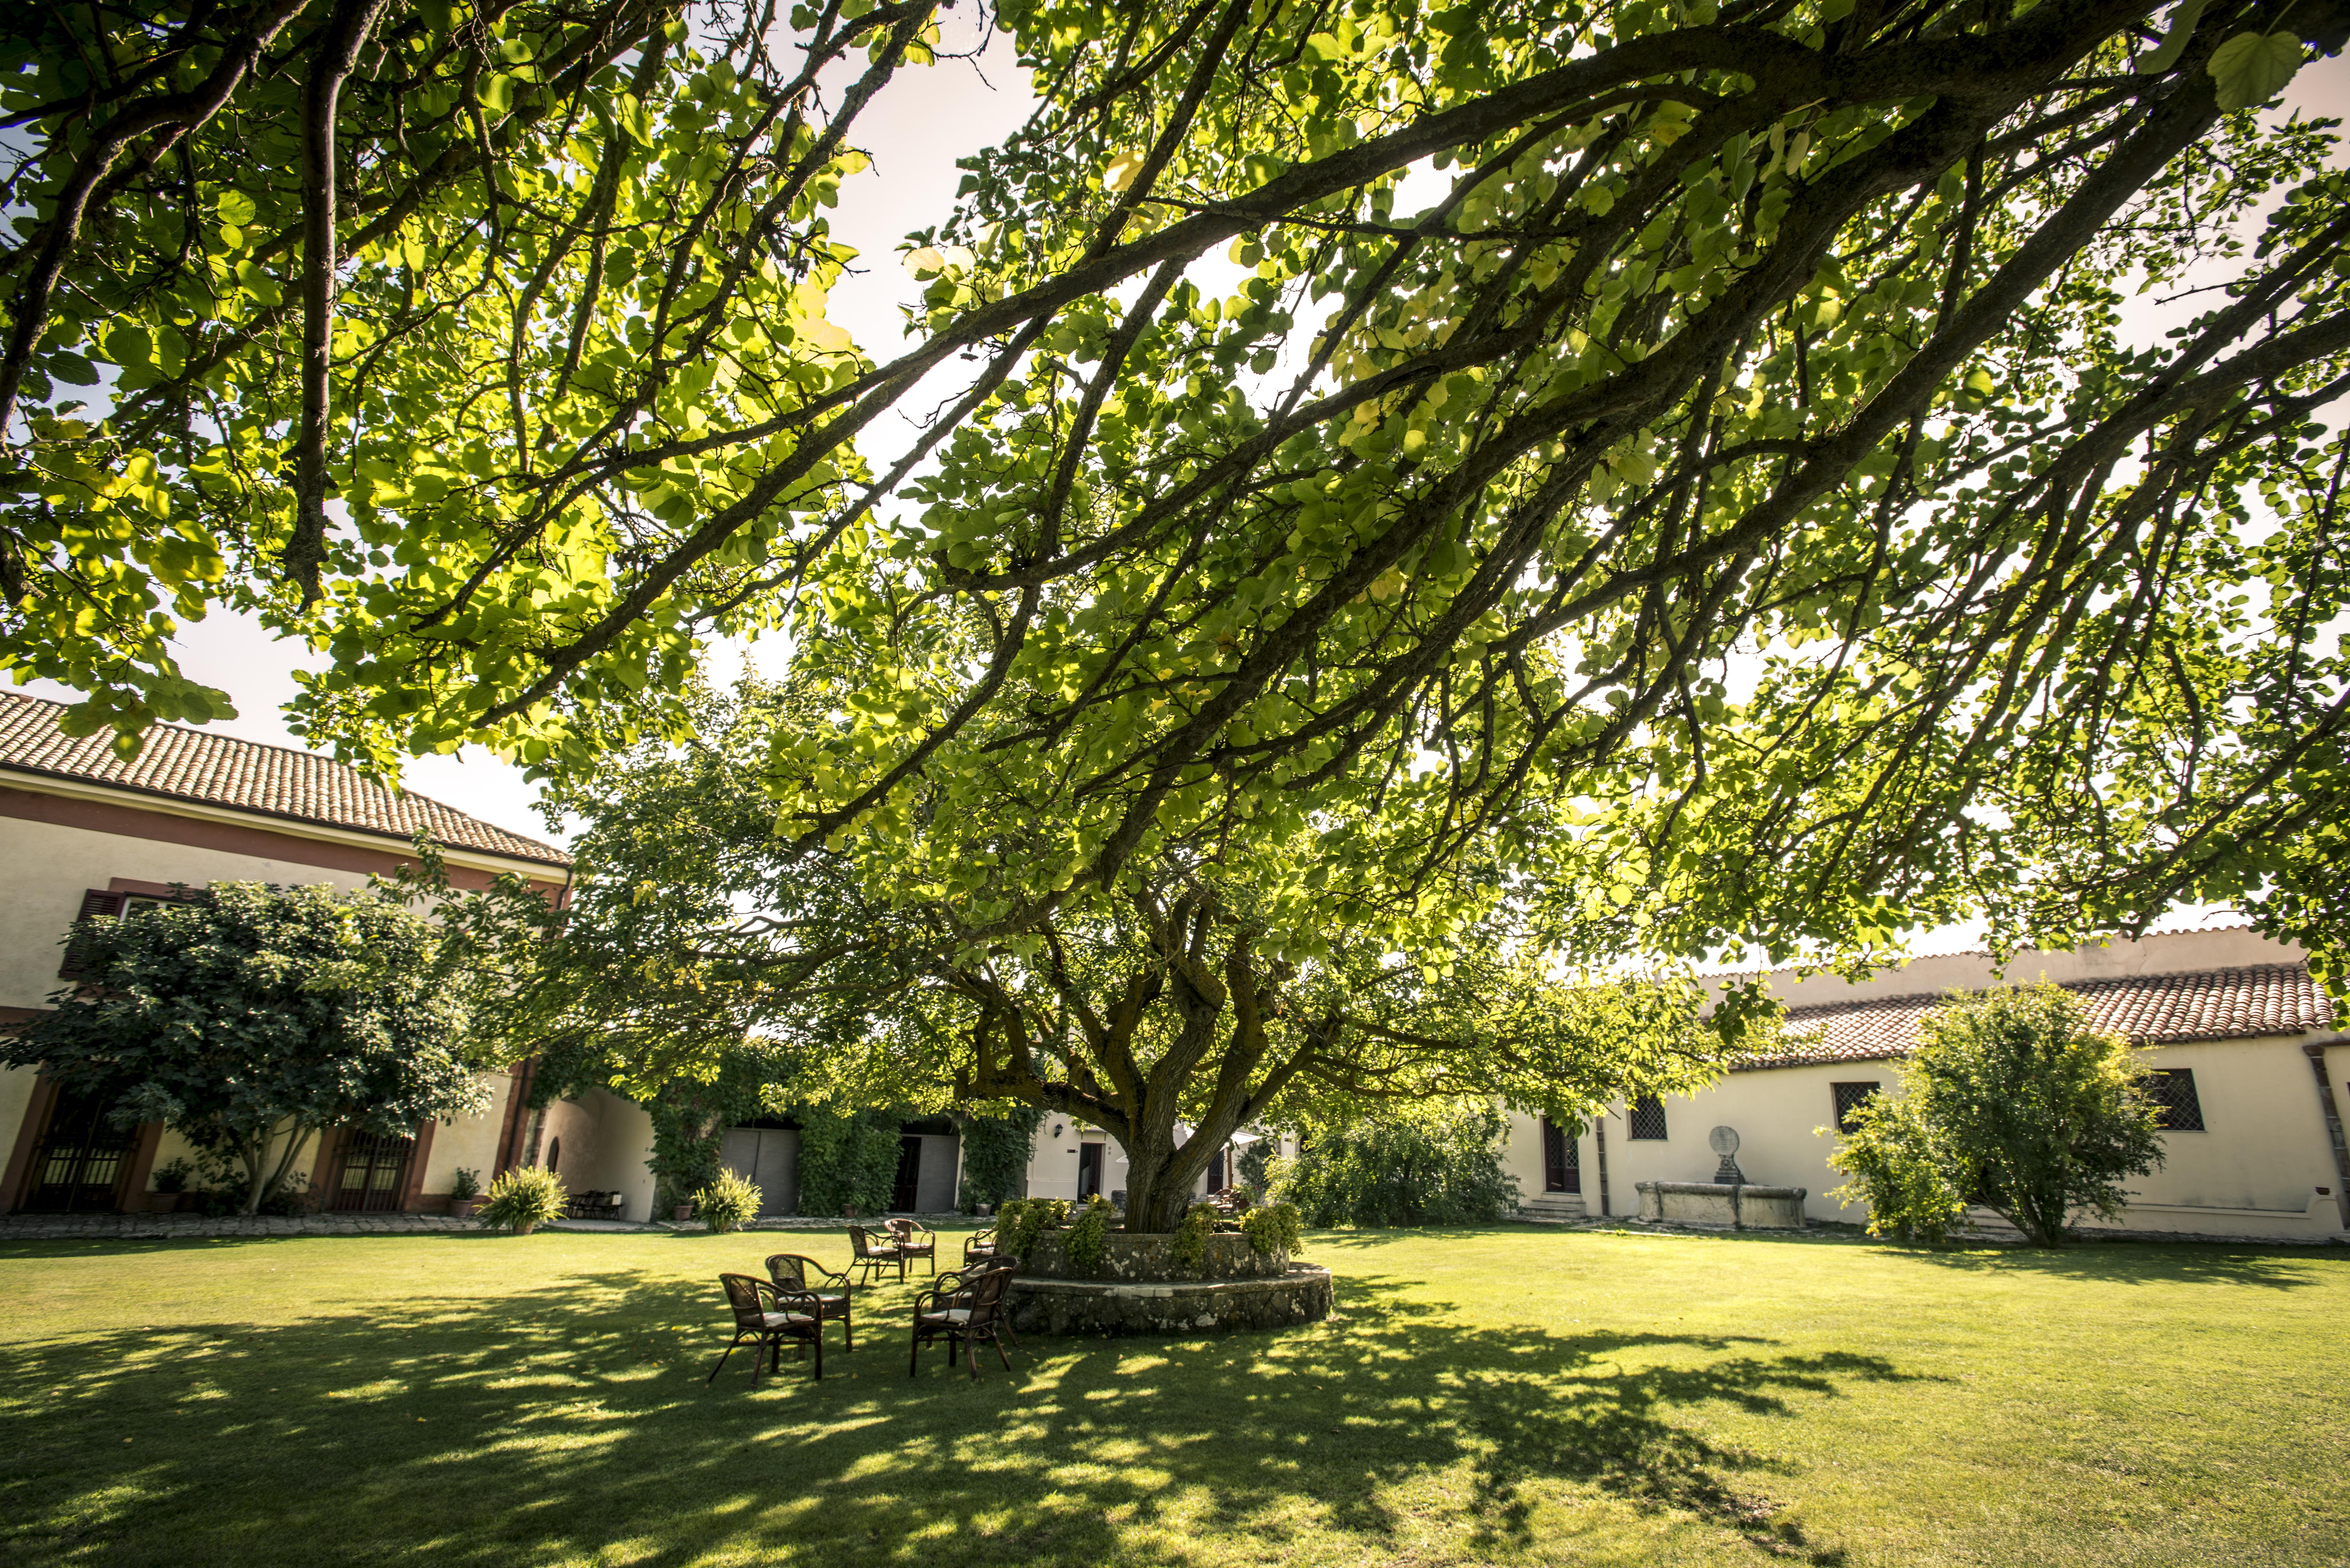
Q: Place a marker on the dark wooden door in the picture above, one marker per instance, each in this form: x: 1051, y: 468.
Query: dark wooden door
x: 1089, y: 1169
x: 1561, y: 1171
x: 81, y: 1158
x: 370, y: 1171
x: 910, y: 1174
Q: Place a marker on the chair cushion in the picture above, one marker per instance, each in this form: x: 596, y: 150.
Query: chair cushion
x: 953, y: 1314
x: 786, y: 1319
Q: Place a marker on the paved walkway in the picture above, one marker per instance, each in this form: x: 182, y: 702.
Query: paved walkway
x: 197, y: 1226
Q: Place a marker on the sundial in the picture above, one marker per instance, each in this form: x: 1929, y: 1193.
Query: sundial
x: 1724, y: 1141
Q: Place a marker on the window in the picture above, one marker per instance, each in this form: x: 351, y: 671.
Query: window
x: 1647, y: 1118
x: 1849, y: 1097
x: 96, y: 904
x: 2176, y: 1108
x: 1561, y: 1172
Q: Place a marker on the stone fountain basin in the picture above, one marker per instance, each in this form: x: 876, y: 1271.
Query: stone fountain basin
x: 1723, y: 1206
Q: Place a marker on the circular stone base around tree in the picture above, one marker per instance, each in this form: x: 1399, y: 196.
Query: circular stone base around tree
x: 1140, y: 1257
x: 1301, y: 1293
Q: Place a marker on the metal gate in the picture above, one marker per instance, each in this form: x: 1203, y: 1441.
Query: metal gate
x: 371, y: 1170
x: 81, y: 1157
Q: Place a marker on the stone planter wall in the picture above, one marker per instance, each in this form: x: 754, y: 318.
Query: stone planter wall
x: 1148, y: 1257
x: 1300, y: 1293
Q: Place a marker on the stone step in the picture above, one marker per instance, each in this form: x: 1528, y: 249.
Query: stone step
x: 1551, y: 1208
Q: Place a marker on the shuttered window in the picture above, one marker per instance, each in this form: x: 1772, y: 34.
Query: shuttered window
x: 96, y: 904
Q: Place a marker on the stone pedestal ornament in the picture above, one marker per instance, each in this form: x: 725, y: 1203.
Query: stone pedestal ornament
x: 1724, y: 1141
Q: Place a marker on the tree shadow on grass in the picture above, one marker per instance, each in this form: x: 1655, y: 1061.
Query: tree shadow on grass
x: 2141, y: 1262
x: 570, y: 1421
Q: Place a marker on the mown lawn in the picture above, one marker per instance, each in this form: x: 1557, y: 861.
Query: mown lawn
x: 1502, y: 1395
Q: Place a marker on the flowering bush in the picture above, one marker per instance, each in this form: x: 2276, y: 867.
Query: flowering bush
x: 524, y: 1199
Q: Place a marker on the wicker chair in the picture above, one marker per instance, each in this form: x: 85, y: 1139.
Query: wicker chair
x: 915, y: 1239
x: 964, y: 1309
x: 768, y: 1316
x: 979, y: 1244
x: 872, y: 1256
x: 979, y: 1266
x: 791, y: 1271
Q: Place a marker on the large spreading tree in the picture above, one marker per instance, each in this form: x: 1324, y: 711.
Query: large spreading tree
x: 1736, y: 424
x: 1210, y: 987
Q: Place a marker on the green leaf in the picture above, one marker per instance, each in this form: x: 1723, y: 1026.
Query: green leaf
x: 234, y: 207
x: 2254, y: 67
x: 2174, y: 44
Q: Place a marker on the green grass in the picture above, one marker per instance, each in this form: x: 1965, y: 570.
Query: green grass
x: 1502, y: 1395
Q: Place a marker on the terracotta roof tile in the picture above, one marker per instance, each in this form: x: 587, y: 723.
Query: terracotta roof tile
x: 2151, y: 1009
x: 180, y: 764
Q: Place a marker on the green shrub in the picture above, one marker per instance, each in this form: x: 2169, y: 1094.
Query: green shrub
x: 1023, y: 1220
x: 465, y: 1183
x: 1189, y: 1247
x: 172, y: 1176
x: 727, y: 1202
x: 1088, y: 1238
x: 1275, y: 1228
x: 1445, y: 1170
x: 2013, y: 1100
x: 525, y: 1196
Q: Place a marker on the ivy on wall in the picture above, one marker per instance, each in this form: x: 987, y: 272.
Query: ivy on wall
x: 996, y: 1147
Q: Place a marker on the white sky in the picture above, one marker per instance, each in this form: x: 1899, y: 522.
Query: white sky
x: 915, y: 133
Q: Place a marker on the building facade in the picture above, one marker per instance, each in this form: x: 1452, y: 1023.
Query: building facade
x: 2253, y: 1072
x: 84, y: 833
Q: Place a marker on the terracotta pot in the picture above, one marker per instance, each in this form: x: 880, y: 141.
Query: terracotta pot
x: 463, y: 1207
x: 681, y: 1211
x: 525, y: 1228
x: 162, y: 1202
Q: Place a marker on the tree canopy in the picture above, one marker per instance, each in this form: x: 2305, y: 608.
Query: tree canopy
x: 1196, y: 996
x: 1700, y: 456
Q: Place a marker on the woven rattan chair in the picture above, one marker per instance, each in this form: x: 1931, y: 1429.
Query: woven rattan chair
x: 964, y: 1309
x: 768, y: 1316
x: 979, y: 1244
x: 915, y: 1239
x: 791, y: 1271
x: 871, y: 1256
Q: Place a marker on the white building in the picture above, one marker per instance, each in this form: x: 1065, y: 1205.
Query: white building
x: 2254, y: 1070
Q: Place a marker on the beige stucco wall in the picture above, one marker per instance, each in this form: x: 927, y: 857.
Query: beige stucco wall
x: 605, y: 1142
x: 49, y: 868
x: 2254, y: 1172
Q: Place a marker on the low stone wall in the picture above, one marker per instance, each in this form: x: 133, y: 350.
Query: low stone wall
x: 1302, y: 1294
x: 1147, y: 1256
x: 1722, y: 1205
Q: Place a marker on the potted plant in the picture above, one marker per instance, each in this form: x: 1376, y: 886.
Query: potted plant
x: 464, y: 1191
x: 681, y: 1211
x: 522, y: 1199
x: 170, y: 1181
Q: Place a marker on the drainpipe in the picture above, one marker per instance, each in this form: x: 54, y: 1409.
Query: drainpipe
x: 1599, y: 1133
x: 2316, y: 1055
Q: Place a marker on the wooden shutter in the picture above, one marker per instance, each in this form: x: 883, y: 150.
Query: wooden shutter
x: 95, y: 903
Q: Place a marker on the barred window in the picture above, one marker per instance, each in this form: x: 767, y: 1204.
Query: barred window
x: 2176, y: 1108
x: 1849, y: 1097
x: 1647, y: 1118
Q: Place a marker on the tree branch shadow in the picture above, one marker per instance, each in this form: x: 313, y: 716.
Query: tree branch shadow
x: 561, y: 1419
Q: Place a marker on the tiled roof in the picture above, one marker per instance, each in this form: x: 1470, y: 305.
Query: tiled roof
x: 2151, y: 1009
x: 245, y: 775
